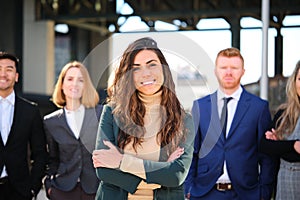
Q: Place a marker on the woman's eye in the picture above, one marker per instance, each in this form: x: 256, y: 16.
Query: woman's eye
x: 135, y: 69
x: 153, y: 65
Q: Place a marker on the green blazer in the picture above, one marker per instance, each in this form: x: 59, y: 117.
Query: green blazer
x: 116, y: 184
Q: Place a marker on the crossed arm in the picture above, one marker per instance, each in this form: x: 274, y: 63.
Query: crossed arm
x: 107, y: 160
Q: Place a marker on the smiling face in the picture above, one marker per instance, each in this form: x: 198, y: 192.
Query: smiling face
x: 73, y: 85
x: 229, y: 71
x: 147, y: 72
x: 8, y: 76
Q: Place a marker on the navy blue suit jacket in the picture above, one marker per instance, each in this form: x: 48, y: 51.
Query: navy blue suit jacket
x: 251, y: 173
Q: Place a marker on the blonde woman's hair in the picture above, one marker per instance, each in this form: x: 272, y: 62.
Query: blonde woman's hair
x: 288, y: 120
x: 90, y: 96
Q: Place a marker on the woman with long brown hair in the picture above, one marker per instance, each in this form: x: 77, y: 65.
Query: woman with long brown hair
x: 145, y: 137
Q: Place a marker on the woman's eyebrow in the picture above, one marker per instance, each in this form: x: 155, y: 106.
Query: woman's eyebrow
x: 153, y: 60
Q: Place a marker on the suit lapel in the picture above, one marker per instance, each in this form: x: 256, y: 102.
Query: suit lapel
x: 215, y: 123
x: 213, y: 133
x: 62, y: 120
x: 89, y: 128
x: 214, y: 110
x: 1, y: 142
x: 89, y: 118
x: 241, y: 110
x: 215, y: 119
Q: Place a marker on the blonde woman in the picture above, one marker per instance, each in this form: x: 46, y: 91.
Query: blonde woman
x: 71, y: 134
x: 282, y: 141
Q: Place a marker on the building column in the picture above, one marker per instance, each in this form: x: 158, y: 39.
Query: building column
x: 98, y: 61
x: 236, y: 31
x: 11, y: 32
x: 38, y: 53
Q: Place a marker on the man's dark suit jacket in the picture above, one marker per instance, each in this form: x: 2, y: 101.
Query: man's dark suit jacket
x: 26, y: 136
x: 252, y: 174
x: 71, y: 158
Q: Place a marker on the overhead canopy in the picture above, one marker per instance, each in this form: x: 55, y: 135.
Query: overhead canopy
x: 99, y: 14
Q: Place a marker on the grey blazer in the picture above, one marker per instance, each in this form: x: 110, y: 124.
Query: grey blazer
x: 70, y: 159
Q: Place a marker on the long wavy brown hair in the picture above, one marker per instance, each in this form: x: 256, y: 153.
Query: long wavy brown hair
x: 129, y: 110
x: 288, y: 120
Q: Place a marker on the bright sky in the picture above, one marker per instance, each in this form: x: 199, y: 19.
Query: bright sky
x: 213, y: 41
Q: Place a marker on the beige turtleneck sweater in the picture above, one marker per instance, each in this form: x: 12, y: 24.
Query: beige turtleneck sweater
x: 132, y: 161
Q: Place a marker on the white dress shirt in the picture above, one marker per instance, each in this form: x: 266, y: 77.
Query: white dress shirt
x: 7, y: 114
x: 75, y: 119
x: 232, y: 105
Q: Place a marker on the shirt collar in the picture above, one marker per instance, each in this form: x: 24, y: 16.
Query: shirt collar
x: 236, y: 95
x: 10, y: 98
x: 80, y: 109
